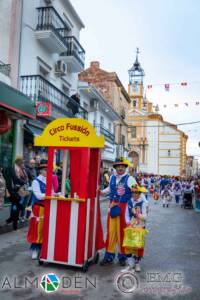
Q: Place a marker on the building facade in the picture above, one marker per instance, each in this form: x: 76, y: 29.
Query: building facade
x: 41, y: 43
x: 110, y: 86
x: 102, y: 116
x: 192, y: 166
x: 158, y: 146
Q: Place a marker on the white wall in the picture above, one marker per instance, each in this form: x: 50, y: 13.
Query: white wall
x: 109, y: 151
x: 152, y: 148
x: 5, y: 10
x: 31, y: 47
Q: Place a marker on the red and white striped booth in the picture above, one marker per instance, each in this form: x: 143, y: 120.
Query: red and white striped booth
x: 72, y: 230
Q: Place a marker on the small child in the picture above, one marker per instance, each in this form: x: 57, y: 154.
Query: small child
x: 135, y: 216
x: 166, y: 196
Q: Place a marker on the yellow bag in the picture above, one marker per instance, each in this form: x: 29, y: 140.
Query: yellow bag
x: 134, y: 237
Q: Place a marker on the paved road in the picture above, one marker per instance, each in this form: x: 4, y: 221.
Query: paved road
x: 172, y: 250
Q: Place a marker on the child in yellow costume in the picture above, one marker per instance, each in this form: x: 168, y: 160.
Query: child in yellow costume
x: 135, y: 216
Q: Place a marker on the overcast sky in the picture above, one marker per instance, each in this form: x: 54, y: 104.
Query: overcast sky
x: 167, y: 33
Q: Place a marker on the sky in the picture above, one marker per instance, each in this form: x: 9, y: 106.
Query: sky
x: 167, y: 33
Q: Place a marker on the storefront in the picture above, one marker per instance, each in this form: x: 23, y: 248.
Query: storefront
x: 14, y: 106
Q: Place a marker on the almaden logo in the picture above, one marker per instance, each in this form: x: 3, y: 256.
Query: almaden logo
x: 50, y: 282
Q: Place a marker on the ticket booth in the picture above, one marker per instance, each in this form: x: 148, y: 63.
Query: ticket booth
x: 72, y: 229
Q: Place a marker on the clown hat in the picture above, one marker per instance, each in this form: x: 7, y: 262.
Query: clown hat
x: 43, y: 164
x: 120, y: 161
x: 138, y: 189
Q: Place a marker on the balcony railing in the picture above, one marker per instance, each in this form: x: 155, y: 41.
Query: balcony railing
x: 39, y: 89
x: 107, y: 134
x: 75, y: 49
x: 5, y: 68
x: 49, y: 19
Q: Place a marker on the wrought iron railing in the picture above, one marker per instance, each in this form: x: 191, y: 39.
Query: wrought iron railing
x: 109, y: 136
x: 5, y: 68
x: 75, y: 49
x: 49, y: 19
x: 38, y: 88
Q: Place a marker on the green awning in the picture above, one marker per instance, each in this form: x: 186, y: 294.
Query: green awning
x: 16, y: 101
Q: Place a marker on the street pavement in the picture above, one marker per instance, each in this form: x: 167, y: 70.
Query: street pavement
x: 170, y: 269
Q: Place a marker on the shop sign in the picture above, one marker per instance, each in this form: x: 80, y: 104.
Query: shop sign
x: 70, y: 132
x: 43, y: 109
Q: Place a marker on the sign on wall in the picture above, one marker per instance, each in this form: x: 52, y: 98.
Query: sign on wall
x: 43, y: 109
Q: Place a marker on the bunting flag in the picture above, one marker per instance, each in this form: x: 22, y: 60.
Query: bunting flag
x: 188, y: 104
x: 167, y: 87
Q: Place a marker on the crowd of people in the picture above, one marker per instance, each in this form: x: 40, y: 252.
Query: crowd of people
x: 22, y: 189
x: 128, y: 207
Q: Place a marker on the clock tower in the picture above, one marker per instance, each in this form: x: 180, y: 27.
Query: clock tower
x: 135, y: 87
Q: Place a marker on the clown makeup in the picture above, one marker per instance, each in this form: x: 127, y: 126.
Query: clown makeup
x: 120, y: 169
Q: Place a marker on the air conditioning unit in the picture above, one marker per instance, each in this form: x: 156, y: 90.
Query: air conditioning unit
x: 60, y: 68
x: 94, y: 105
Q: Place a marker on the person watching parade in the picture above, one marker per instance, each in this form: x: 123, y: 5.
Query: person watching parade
x: 119, y: 191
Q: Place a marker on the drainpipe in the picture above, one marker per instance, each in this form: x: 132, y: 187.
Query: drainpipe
x: 18, y: 126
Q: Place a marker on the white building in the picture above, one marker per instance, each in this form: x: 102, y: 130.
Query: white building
x: 158, y: 146
x: 102, y: 116
x: 47, y: 60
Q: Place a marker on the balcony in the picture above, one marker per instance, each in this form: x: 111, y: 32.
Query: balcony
x: 5, y: 68
x: 109, y: 137
x: 37, y: 88
x: 51, y: 30
x: 74, y: 56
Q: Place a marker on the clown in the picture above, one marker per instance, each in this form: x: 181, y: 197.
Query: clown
x: 35, y: 232
x: 119, y: 190
x: 135, y: 216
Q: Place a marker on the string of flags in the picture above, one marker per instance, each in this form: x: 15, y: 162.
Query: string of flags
x: 185, y: 104
x: 167, y: 86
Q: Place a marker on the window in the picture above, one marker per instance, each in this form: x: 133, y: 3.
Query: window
x: 133, y: 132
x: 65, y: 89
x: 123, y: 140
x: 43, y: 71
x: 169, y: 152
x: 85, y: 105
x: 43, y: 68
x: 102, y: 120
x: 134, y: 103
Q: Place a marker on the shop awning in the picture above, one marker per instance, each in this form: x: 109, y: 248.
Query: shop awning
x: 16, y: 101
x: 33, y: 130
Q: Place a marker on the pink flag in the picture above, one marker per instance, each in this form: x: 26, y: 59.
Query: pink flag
x: 167, y: 87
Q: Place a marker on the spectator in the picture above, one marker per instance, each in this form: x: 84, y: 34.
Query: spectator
x: 2, y: 188
x: 31, y: 171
